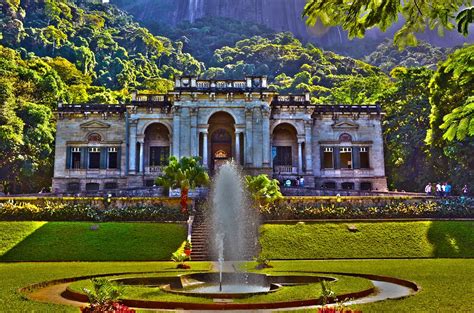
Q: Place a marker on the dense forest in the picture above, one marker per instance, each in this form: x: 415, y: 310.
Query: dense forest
x: 67, y: 51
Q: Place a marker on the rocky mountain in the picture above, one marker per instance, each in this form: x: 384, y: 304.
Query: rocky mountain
x: 279, y: 15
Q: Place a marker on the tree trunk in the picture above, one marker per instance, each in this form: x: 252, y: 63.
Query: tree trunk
x: 184, y: 200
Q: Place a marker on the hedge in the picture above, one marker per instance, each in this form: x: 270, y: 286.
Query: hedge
x: 396, y: 208
x: 67, y: 211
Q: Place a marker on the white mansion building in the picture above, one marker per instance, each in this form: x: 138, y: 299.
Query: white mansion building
x: 106, y: 147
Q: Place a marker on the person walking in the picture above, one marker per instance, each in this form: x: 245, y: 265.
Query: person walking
x: 428, y: 189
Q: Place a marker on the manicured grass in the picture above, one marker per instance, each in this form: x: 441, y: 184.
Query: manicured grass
x: 344, y: 284
x: 17, y: 275
x: 13, y: 233
x: 427, y: 239
x: 446, y: 283
x: 75, y: 241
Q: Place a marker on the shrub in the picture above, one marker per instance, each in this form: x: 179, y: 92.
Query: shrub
x: 67, y: 211
x: 263, y: 189
x: 439, y: 208
x: 105, y: 297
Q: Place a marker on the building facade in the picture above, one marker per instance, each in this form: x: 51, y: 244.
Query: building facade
x: 107, y: 147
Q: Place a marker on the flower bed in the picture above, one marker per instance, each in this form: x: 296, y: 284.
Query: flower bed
x: 395, y: 208
x: 74, y: 211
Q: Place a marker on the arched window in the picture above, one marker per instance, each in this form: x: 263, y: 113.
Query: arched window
x: 94, y: 137
x: 345, y: 138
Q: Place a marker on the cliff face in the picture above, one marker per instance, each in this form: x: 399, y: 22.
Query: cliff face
x: 280, y: 15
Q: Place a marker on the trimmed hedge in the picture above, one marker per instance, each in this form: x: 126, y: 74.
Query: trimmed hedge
x: 67, y: 211
x: 397, y: 208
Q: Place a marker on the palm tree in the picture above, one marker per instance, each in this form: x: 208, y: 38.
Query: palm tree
x: 185, y: 173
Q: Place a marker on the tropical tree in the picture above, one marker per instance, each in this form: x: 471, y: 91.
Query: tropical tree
x: 407, y: 110
x: 452, y: 92
x: 263, y: 189
x: 186, y: 173
x: 358, y: 16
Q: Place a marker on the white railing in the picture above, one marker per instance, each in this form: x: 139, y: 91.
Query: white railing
x: 158, y: 169
x: 285, y: 169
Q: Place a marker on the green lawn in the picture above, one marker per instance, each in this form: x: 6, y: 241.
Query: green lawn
x: 427, y: 239
x: 344, y: 284
x: 75, y: 241
x: 17, y: 275
x: 446, y: 283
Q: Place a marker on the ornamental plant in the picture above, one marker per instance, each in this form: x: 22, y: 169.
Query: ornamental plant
x: 186, y: 173
x: 105, y: 297
x: 264, y: 191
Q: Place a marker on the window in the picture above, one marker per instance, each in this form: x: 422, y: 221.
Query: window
x: 159, y: 156
x: 73, y: 187
x: 365, y: 186
x: 283, y: 156
x: 92, y: 186
x: 76, y: 158
x: 329, y: 185
x: 94, y: 158
x: 149, y: 183
x: 346, y: 157
x: 112, y: 158
x: 110, y: 185
x: 348, y: 186
x: 364, y: 157
x: 328, y: 160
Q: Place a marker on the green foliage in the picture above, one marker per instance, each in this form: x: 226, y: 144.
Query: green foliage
x: 357, y: 17
x: 407, y: 110
x: 105, y: 291
x: 263, y: 189
x: 464, y: 19
x: 64, y: 211
x: 185, y: 173
x: 387, y: 56
x: 301, y: 210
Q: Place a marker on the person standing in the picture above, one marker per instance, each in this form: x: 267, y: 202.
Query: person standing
x: 448, y: 189
x: 464, y: 191
x: 438, y: 189
x: 428, y: 189
x: 301, y: 181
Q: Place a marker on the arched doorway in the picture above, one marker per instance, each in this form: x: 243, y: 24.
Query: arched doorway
x: 222, y: 138
x: 285, y: 149
x: 157, y: 148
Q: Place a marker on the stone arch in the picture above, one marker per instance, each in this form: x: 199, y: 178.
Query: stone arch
x: 94, y: 137
x: 222, y: 110
x: 147, y: 124
x: 285, y: 148
x: 299, y: 129
x: 221, y: 138
x: 157, y: 143
x: 345, y: 137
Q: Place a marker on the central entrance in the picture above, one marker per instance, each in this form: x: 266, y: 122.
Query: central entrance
x: 222, y: 136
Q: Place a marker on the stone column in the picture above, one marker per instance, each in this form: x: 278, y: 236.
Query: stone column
x: 308, y: 147
x: 300, y: 156
x: 237, y: 146
x: 204, y: 149
x: 176, y: 128
x: 132, y: 148
x: 142, y: 155
x: 248, y: 136
x: 266, y: 136
x: 194, y: 133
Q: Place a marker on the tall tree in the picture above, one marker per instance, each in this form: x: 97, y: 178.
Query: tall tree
x: 358, y: 16
x: 407, y: 110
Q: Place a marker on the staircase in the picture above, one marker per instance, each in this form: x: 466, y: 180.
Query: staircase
x: 200, y: 238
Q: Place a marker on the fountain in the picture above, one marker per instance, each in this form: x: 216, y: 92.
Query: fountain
x: 234, y: 226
